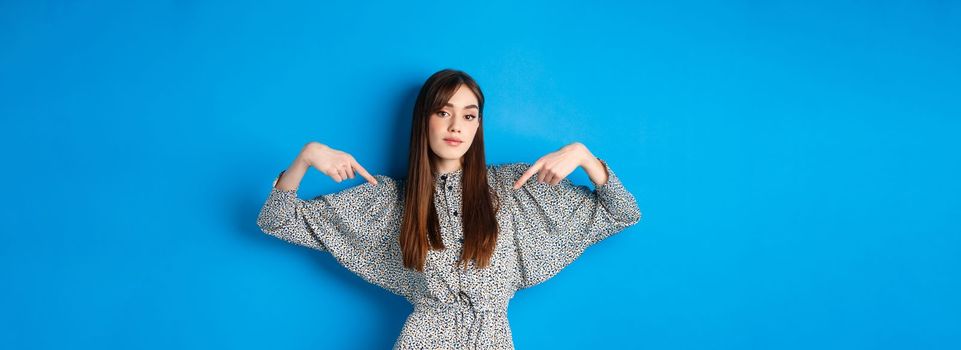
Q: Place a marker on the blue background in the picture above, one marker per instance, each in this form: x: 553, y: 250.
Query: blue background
x: 797, y: 166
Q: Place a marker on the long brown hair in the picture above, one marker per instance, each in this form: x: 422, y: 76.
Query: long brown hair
x: 420, y: 230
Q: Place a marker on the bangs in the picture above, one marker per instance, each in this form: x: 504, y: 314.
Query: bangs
x: 445, y: 90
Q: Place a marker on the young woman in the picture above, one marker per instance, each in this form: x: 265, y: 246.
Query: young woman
x: 456, y: 237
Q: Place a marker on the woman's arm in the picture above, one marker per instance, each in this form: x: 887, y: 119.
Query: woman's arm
x: 595, y: 168
x: 555, y: 166
x: 286, y: 216
x: 338, y: 165
x: 290, y: 179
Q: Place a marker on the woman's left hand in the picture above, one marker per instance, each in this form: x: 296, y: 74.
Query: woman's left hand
x: 555, y: 166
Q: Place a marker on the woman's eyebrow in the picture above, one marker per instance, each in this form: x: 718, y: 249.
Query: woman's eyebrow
x: 466, y: 107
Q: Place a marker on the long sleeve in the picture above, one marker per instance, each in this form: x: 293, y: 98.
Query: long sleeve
x: 359, y: 226
x: 556, y: 223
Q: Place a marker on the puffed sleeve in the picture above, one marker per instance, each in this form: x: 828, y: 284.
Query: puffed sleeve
x: 556, y: 223
x: 359, y: 226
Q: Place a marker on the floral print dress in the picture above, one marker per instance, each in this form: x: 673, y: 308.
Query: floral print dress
x: 542, y: 229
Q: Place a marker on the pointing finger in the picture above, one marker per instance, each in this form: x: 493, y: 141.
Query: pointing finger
x: 363, y: 172
x: 527, y: 174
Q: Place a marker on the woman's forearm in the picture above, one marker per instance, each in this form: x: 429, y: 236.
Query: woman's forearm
x: 290, y: 180
x: 596, y: 170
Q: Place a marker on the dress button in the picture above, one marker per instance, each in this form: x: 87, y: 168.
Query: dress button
x: 455, y: 213
x: 443, y: 177
x: 450, y: 187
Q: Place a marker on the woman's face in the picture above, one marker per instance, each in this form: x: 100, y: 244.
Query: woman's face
x: 458, y: 120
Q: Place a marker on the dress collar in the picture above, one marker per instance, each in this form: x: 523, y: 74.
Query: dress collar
x: 449, y: 175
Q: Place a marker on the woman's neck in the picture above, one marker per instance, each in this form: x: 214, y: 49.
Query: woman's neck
x: 447, y: 166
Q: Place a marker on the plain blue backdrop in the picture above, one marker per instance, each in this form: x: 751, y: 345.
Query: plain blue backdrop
x: 797, y: 166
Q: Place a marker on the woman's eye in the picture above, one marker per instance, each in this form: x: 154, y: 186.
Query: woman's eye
x: 441, y: 113
x: 471, y: 116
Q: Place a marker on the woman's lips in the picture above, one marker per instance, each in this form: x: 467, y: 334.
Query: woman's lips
x: 452, y: 142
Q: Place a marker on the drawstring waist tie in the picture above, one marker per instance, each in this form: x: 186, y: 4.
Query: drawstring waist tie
x: 469, y: 317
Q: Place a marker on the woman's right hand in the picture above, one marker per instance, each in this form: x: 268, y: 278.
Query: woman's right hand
x: 337, y: 164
